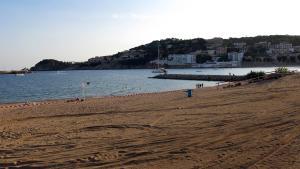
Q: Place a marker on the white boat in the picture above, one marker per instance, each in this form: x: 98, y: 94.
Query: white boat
x: 158, y: 69
x: 20, y: 74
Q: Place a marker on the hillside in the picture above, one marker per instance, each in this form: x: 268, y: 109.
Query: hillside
x: 255, y: 49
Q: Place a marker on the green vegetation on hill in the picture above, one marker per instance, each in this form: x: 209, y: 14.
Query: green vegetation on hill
x: 51, y: 65
x: 295, y: 40
x: 142, y: 55
x: 202, y: 58
x: 254, y: 74
x: 173, y: 46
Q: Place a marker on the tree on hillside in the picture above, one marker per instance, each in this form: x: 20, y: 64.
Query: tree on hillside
x: 223, y: 58
x: 51, y: 65
x: 256, y: 51
x: 133, y: 62
x: 293, y: 59
x: 202, y: 58
x: 282, y: 58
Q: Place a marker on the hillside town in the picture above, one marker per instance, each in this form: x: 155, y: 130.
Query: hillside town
x: 217, y: 55
x: 220, y: 56
x: 273, y: 50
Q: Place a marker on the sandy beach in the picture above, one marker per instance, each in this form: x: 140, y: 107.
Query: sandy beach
x: 250, y: 126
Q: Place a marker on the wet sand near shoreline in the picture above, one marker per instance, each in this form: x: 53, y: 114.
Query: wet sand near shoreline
x: 250, y: 126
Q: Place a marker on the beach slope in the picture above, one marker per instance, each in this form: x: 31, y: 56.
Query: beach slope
x: 250, y: 126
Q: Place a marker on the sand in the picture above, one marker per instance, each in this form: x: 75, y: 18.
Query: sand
x: 250, y: 126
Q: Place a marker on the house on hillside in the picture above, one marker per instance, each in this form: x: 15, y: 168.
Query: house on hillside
x: 177, y: 60
x: 241, y: 46
x: 99, y: 59
x: 280, y: 49
x: 296, y: 49
x: 265, y: 45
x: 132, y: 54
x: 95, y: 59
x: 221, y: 51
x: 236, y: 56
x: 211, y: 52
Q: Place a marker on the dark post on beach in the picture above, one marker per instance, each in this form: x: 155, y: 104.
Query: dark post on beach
x: 189, y: 93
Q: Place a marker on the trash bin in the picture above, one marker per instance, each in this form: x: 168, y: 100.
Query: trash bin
x: 189, y: 93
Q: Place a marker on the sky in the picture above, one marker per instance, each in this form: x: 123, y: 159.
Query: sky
x: 76, y: 30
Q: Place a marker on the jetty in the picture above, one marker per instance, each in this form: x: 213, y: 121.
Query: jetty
x: 23, y: 71
x: 224, y: 78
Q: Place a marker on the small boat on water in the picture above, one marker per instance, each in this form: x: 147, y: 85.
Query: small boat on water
x: 20, y: 74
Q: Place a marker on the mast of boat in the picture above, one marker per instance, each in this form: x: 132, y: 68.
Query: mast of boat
x: 158, y: 53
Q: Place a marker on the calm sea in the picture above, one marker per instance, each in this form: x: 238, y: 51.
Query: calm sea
x: 68, y: 84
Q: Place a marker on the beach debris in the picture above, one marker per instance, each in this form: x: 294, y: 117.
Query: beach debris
x: 93, y: 159
x: 16, y: 162
x: 75, y: 100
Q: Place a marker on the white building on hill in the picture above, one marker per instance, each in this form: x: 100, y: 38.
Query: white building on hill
x: 181, y: 59
x: 177, y: 60
x: 236, y: 56
x: 281, y: 49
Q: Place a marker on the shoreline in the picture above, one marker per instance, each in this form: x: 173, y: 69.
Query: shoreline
x: 252, y: 65
x: 102, y: 97
x: 65, y: 100
x: 52, y: 101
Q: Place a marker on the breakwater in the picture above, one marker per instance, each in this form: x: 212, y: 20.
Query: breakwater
x: 225, y: 78
x: 15, y: 72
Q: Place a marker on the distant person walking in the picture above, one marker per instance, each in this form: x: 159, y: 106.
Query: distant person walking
x: 200, y: 85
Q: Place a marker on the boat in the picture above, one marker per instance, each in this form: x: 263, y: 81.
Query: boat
x: 20, y: 74
x: 158, y: 69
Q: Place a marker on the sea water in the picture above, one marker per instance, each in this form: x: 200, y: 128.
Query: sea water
x: 72, y: 84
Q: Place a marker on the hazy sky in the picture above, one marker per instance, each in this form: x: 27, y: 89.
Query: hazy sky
x: 75, y: 30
